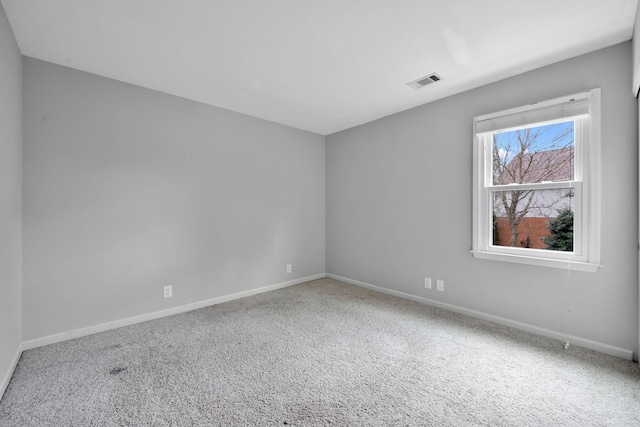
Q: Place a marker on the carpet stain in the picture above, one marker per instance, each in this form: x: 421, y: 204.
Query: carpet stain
x: 116, y: 371
x: 111, y: 347
x: 209, y: 391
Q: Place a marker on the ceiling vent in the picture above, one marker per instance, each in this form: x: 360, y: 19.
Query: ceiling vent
x: 423, y: 81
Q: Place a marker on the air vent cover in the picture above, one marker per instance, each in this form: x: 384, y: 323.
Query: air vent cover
x: 423, y: 81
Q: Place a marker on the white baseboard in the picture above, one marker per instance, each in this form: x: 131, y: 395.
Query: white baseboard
x: 574, y: 340
x: 76, y: 333
x: 5, y: 381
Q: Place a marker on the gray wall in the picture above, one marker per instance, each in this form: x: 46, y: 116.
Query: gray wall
x: 127, y: 190
x: 636, y: 52
x: 10, y: 198
x: 636, y: 73
x: 399, y: 207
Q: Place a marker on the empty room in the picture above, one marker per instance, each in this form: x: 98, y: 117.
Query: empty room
x: 331, y: 212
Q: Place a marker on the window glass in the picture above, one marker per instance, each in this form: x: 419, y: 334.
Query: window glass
x: 534, y: 219
x: 534, y: 155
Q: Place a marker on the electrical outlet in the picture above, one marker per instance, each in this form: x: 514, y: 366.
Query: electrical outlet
x: 168, y: 291
x: 289, y: 268
x: 427, y: 282
x: 440, y: 285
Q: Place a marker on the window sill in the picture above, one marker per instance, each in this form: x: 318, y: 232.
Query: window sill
x: 541, y: 262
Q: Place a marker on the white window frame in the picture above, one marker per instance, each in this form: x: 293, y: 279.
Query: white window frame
x: 584, y: 108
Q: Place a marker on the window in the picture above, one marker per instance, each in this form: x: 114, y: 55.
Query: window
x: 536, y: 183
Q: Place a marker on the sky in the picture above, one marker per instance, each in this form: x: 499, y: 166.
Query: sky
x: 507, y: 144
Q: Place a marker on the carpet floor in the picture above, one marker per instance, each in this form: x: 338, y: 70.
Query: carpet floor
x: 319, y: 353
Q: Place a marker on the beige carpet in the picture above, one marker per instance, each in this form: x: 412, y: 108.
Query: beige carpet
x: 320, y: 353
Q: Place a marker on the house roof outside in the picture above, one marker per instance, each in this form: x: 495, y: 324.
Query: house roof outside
x: 542, y: 166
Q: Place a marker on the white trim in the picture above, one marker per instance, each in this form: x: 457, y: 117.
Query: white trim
x: 565, y: 264
x: 595, y: 177
x: 578, y: 341
x: 7, y: 378
x: 90, y: 330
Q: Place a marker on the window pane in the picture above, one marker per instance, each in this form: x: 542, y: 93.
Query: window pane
x: 534, y: 155
x: 536, y: 219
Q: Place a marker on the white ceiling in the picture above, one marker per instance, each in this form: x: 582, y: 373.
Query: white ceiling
x: 323, y: 65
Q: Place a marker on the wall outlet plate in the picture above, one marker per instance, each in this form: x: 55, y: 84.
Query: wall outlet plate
x: 168, y: 291
x: 427, y: 283
x: 440, y: 285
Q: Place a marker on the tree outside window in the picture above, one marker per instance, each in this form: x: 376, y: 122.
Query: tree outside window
x: 524, y: 217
